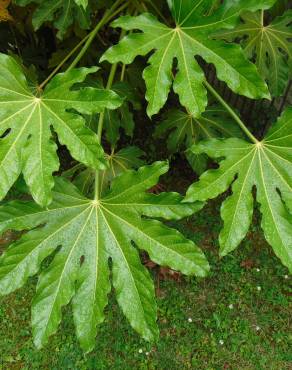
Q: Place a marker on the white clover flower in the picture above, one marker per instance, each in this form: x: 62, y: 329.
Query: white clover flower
x: 258, y: 270
x: 221, y: 342
x: 286, y: 276
x: 259, y: 288
x: 140, y: 350
x: 257, y: 328
x: 230, y: 306
x: 147, y: 353
x: 190, y: 319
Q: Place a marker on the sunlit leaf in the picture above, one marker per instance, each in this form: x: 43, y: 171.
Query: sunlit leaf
x: 84, y: 234
x: 267, y: 166
x: 191, y: 37
x: 26, y: 119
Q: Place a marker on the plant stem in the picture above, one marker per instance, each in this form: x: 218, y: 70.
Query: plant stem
x: 159, y: 13
x: 109, y: 14
x: 231, y: 112
x: 123, y: 72
x: 68, y: 56
x: 100, y: 125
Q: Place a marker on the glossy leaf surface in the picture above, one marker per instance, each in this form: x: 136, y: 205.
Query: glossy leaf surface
x: 26, y: 120
x: 266, y: 166
x: 191, y: 37
x: 84, y: 234
x: 270, y: 46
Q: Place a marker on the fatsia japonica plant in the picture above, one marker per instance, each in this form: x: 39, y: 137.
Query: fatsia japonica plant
x: 90, y: 208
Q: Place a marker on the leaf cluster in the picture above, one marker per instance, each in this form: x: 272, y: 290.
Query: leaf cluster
x: 92, y: 204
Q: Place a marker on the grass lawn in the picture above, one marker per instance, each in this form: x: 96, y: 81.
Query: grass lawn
x: 237, y: 318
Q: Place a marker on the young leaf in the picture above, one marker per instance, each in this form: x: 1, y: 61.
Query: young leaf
x: 267, y: 166
x: 186, y: 130
x: 269, y: 45
x: 88, y: 233
x: 121, y: 118
x: 61, y: 13
x: 118, y: 162
x: 26, y: 119
x: 191, y: 37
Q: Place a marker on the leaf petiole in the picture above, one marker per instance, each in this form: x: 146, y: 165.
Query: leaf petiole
x: 109, y: 15
x: 233, y: 114
x: 100, y: 125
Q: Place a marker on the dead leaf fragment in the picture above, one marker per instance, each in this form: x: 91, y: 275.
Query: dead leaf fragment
x: 4, y: 13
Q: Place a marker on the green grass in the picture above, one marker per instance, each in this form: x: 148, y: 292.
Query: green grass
x: 253, y: 333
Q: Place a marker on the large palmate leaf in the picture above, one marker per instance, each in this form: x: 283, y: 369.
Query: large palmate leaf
x: 61, y: 13
x: 84, y: 234
x: 191, y: 37
x: 267, y: 166
x: 26, y: 119
x: 270, y: 46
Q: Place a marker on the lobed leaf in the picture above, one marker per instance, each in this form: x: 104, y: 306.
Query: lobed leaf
x: 26, y: 120
x: 83, y: 234
x: 267, y: 166
x: 184, y: 130
x: 191, y: 37
x: 270, y: 46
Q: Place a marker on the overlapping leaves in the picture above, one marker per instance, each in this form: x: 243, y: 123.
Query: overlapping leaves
x: 191, y: 37
x: 184, y: 130
x: 26, y: 119
x: 83, y: 234
x: 61, y: 13
x: 118, y: 162
x: 269, y: 45
x: 267, y: 166
x: 121, y: 118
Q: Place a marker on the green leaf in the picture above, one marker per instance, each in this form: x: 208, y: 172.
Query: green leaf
x: 121, y: 118
x: 84, y: 234
x: 191, y: 37
x: 269, y: 45
x: 61, y: 13
x: 184, y: 130
x: 207, y: 13
x: 118, y: 162
x: 267, y: 166
x: 26, y: 120
x: 83, y: 3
